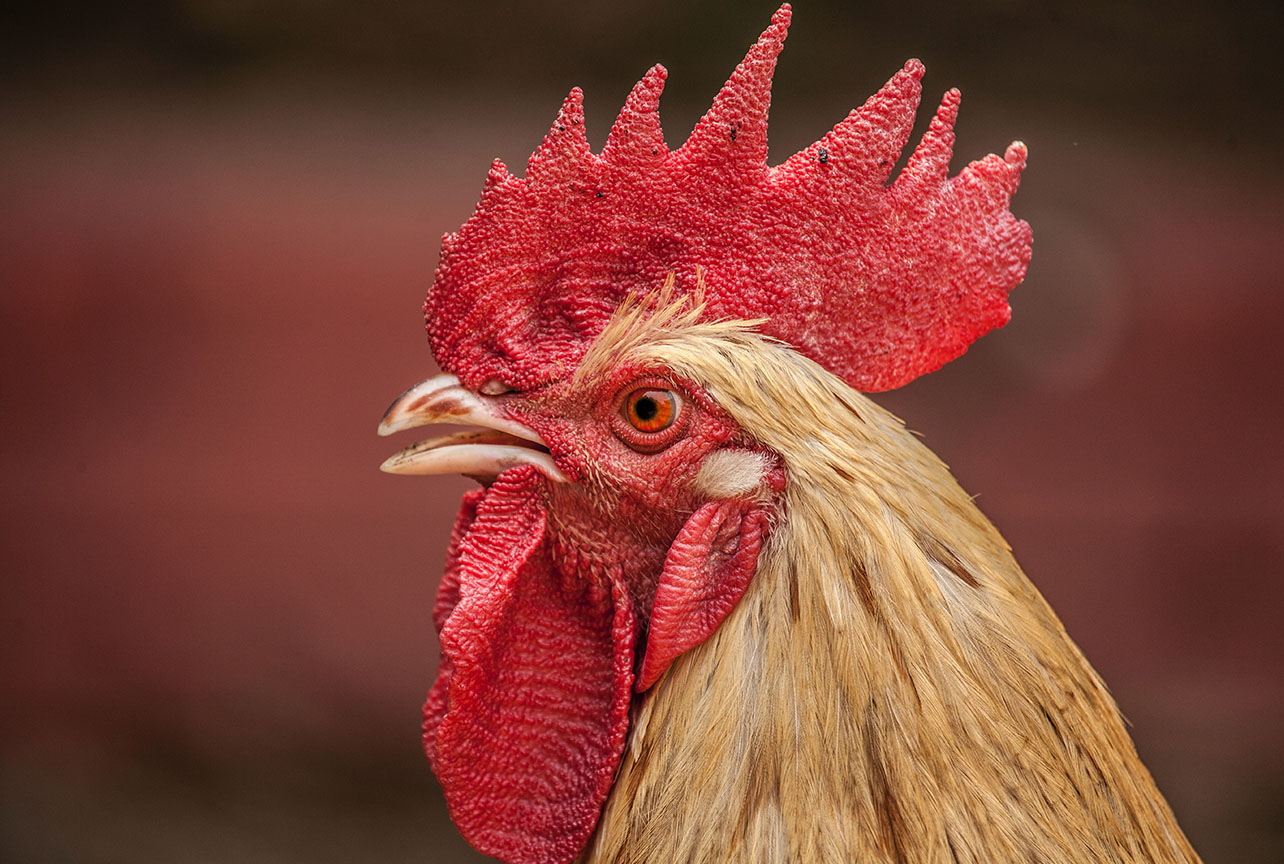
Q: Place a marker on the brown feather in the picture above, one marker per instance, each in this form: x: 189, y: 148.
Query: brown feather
x: 891, y: 688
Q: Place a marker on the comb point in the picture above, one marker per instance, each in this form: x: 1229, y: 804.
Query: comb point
x: 734, y: 129
x: 637, y: 136
x: 565, y: 146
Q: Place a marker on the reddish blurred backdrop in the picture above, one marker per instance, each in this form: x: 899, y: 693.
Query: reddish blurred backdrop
x: 218, y: 220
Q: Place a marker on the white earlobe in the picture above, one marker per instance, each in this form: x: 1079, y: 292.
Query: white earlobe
x: 731, y: 473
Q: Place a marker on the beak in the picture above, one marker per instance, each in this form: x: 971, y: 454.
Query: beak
x: 483, y: 453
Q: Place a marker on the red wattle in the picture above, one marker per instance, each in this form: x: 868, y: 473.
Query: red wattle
x: 535, y: 684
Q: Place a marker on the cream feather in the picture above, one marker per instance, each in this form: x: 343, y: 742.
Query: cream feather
x: 891, y: 688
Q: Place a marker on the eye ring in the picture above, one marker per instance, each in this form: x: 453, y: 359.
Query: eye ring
x: 650, y: 416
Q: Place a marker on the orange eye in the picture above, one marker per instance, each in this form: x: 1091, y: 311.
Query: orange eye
x: 651, y: 410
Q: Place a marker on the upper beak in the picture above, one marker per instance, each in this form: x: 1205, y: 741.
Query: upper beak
x: 482, y: 453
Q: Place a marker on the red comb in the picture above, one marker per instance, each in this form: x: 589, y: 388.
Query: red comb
x: 879, y: 283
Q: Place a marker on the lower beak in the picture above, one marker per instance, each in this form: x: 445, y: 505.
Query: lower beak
x: 483, y: 453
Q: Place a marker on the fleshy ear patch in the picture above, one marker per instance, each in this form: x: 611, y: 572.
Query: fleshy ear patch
x: 706, y: 572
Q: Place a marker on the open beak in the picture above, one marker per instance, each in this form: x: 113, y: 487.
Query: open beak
x: 483, y: 453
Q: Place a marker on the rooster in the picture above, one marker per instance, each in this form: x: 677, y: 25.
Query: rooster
x: 711, y: 603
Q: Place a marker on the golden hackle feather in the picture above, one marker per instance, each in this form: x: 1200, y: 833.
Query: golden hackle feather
x: 891, y: 687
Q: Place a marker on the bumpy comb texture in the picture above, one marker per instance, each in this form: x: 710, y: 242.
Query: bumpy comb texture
x: 879, y: 283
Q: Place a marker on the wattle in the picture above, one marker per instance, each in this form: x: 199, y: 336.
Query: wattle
x: 529, y: 714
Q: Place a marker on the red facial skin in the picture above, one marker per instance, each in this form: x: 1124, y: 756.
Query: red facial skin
x: 624, y: 505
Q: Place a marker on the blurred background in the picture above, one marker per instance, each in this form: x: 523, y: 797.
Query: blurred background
x: 218, y: 220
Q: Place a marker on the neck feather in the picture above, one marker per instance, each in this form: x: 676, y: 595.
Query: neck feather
x: 891, y: 687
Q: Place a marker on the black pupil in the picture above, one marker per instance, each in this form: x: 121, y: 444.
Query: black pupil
x: 646, y: 408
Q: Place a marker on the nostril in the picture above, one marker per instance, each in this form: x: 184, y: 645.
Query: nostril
x: 495, y: 387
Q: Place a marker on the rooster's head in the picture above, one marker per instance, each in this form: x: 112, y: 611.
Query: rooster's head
x: 622, y: 511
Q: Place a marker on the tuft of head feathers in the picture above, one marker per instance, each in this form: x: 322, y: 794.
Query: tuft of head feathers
x: 878, y: 282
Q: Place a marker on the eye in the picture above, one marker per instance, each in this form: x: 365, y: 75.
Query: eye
x: 649, y: 416
x: 651, y: 410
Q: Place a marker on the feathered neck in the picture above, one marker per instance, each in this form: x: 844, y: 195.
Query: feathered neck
x: 891, y: 687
